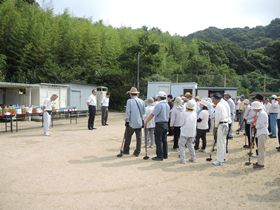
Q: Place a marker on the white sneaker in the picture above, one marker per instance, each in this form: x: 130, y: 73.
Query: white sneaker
x: 46, y: 134
x: 217, y: 163
x: 254, y: 155
x: 181, y: 161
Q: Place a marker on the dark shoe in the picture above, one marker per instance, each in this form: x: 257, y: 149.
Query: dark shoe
x: 230, y: 137
x: 135, y: 154
x: 125, y: 153
x: 90, y: 129
x: 246, y: 146
x: 94, y: 128
x: 157, y: 159
x: 165, y: 157
x: 258, y: 166
x: 277, y: 148
x: 106, y: 124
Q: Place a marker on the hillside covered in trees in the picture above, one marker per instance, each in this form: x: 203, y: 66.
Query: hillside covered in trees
x: 38, y: 46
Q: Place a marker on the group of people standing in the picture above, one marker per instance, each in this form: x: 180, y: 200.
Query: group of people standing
x: 91, y: 103
x: 189, y: 119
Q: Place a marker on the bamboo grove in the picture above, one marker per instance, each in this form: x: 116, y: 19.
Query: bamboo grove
x: 38, y: 46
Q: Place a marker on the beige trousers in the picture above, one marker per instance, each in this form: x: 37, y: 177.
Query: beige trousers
x: 261, y: 148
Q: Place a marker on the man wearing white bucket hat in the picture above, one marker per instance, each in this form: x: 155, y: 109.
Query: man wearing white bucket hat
x: 262, y: 132
x: 161, y: 115
x: 188, y: 132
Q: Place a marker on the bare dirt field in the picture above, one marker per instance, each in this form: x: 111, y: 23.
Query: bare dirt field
x: 75, y: 168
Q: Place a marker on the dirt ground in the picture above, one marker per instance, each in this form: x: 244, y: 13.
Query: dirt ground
x: 75, y: 168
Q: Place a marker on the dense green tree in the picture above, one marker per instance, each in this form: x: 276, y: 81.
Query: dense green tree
x: 38, y: 46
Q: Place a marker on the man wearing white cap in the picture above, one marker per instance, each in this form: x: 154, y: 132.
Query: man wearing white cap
x: 161, y: 115
x: 273, y: 112
x: 262, y: 132
x: 221, y: 124
x: 135, y: 110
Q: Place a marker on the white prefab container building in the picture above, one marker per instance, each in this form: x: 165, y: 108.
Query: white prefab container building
x: 155, y: 87
x: 178, y: 89
x: 45, y: 90
x: 16, y: 93
x: 175, y: 89
x: 69, y: 95
x: 78, y: 95
x: 205, y: 92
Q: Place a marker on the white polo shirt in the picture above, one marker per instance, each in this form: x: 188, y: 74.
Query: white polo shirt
x: 91, y: 100
x: 105, y: 101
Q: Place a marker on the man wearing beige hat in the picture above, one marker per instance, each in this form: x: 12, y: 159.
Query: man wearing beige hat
x: 262, y: 132
x: 188, y: 97
x: 135, y: 109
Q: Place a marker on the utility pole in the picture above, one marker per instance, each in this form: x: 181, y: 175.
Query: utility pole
x: 138, y: 70
x: 177, y: 79
x: 225, y: 80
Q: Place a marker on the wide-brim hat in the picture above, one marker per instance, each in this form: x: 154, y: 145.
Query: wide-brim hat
x: 256, y: 105
x: 188, y: 94
x: 133, y: 90
x: 150, y: 100
x: 162, y: 94
x: 203, y: 103
x: 246, y: 101
x: 178, y: 101
x: 227, y: 94
x: 190, y: 104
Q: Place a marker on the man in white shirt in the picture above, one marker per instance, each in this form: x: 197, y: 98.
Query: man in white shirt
x: 273, y: 112
x: 228, y: 99
x: 221, y: 124
x: 105, y: 109
x: 47, y: 107
x: 262, y: 132
x: 91, y: 102
x: 267, y: 105
x: 202, y: 126
x: 228, y: 113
